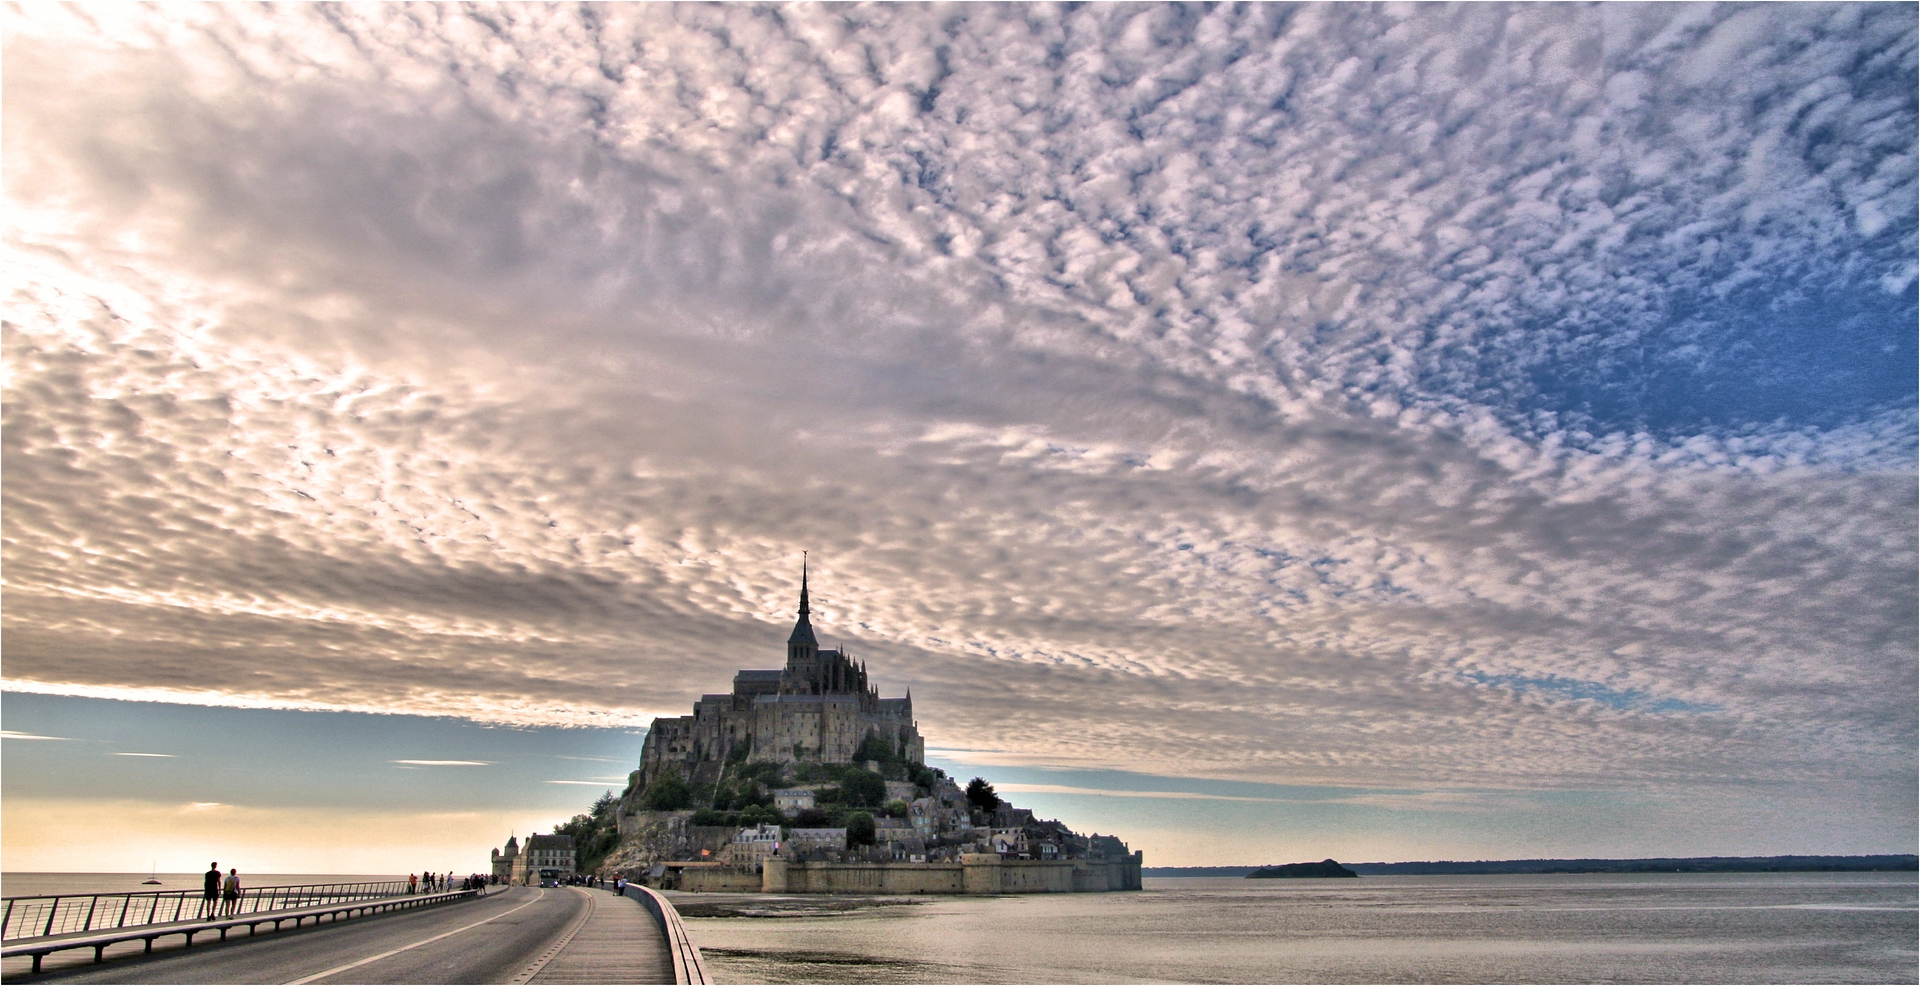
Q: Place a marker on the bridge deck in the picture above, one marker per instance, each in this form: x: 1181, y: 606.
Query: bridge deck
x: 572, y: 935
x: 618, y: 942
x: 29, y: 954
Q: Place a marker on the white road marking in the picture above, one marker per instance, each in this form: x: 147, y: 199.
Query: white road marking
x: 425, y: 941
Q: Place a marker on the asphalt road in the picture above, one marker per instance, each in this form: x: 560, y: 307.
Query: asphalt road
x: 490, y: 940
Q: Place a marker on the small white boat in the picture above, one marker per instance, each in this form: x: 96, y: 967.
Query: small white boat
x: 154, y: 880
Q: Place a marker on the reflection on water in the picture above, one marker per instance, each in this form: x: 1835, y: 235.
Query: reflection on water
x: 1721, y: 927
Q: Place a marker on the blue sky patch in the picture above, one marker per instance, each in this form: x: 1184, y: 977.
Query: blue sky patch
x: 1625, y: 699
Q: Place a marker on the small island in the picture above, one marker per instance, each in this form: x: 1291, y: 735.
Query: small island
x: 1323, y: 868
x: 803, y: 780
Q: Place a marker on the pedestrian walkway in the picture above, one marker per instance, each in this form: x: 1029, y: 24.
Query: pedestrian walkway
x: 615, y: 941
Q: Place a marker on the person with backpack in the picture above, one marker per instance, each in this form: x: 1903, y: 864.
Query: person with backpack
x: 231, y: 893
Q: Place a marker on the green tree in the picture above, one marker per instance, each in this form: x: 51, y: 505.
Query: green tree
x: 594, y: 836
x: 897, y: 808
x: 668, y: 793
x: 760, y: 815
x: 981, y: 795
x: 765, y: 772
x: 860, y: 829
x: 862, y: 788
x: 603, y: 805
x: 882, y: 751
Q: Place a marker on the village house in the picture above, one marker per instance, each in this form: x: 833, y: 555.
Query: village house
x: 751, y: 846
x: 835, y: 838
x: 792, y: 799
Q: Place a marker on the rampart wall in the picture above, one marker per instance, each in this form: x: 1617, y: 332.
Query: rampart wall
x: 722, y: 880
x: 976, y: 873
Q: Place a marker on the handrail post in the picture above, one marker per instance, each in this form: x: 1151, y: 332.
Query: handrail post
x: 90, y: 909
x: 51, y: 911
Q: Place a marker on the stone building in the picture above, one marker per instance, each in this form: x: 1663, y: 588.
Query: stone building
x: 792, y: 799
x: 503, y: 860
x: 549, y: 857
x: 831, y: 838
x: 752, y: 845
x: 817, y: 709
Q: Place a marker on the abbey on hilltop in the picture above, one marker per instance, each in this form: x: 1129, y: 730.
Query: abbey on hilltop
x: 805, y: 780
x: 818, y: 709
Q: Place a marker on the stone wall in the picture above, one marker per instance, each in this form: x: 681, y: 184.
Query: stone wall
x: 976, y: 873
x: 719, y: 880
x: 778, y: 876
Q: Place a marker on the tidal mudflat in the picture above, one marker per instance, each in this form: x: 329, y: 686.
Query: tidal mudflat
x: 1719, y: 928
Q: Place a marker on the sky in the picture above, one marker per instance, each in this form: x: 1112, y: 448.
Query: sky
x: 1263, y: 433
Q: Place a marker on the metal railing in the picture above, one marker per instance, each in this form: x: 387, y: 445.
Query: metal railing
x: 66, y: 914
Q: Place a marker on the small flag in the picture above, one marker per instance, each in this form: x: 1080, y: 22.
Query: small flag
x: 706, y: 852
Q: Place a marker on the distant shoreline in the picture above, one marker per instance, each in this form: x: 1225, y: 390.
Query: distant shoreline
x: 1893, y: 863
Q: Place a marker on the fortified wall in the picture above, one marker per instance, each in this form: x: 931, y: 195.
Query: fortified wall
x: 975, y: 873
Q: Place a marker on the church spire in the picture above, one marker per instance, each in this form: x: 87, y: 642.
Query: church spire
x: 802, y: 643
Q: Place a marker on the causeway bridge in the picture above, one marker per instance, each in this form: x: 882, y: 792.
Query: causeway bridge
x: 353, y: 934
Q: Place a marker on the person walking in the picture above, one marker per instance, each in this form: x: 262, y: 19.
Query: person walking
x: 231, y: 892
x: 210, y: 891
x: 413, y: 884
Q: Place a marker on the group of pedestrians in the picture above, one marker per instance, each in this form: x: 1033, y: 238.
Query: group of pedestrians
x: 434, y: 882
x: 219, y: 897
x: 428, y: 882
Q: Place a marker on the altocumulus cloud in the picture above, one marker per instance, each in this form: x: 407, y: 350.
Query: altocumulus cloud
x: 1487, y: 395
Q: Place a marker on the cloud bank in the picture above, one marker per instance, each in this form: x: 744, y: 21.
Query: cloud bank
x: 1502, y: 396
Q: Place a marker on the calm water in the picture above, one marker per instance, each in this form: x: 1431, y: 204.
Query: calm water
x: 36, y: 884
x: 1684, y: 928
